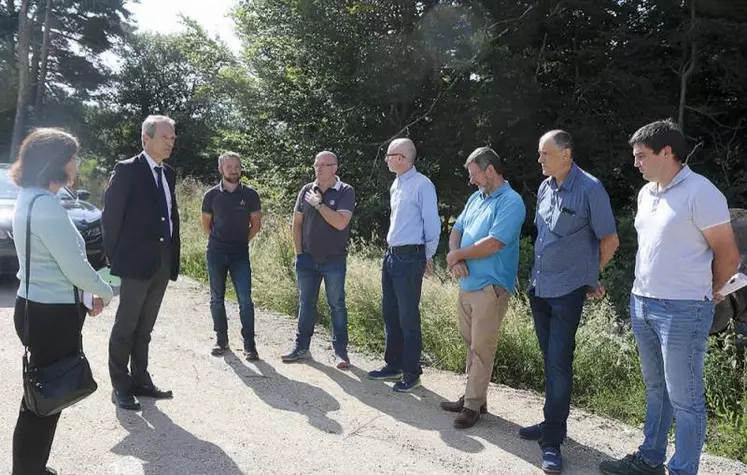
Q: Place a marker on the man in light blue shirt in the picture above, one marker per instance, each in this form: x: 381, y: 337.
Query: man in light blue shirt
x: 484, y: 254
x: 414, y: 230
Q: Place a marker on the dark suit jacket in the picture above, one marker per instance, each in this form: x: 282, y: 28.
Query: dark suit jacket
x: 133, y: 230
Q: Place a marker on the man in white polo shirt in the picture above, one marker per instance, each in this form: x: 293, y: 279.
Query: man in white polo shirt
x: 686, y: 252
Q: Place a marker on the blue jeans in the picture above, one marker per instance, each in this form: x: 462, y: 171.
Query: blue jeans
x: 401, y: 283
x: 671, y: 337
x: 556, y: 320
x: 219, y: 263
x: 309, y: 274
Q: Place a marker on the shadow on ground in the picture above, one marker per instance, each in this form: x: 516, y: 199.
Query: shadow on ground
x: 286, y: 394
x: 164, y: 448
x: 421, y: 409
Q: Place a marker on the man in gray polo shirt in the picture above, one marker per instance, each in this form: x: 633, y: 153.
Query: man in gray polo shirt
x: 321, y: 228
x: 686, y: 253
x: 576, y: 237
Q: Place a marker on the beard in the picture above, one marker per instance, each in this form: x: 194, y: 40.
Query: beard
x: 232, y: 178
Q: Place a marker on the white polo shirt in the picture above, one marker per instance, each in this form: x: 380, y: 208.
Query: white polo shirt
x: 674, y: 259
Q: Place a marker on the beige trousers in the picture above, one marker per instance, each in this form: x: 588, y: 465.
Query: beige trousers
x: 480, y: 316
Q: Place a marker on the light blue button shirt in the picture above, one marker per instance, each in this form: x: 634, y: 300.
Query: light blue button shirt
x: 500, y: 216
x: 414, y: 218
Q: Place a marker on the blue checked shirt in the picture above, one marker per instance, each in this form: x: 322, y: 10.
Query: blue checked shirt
x: 571, y: 219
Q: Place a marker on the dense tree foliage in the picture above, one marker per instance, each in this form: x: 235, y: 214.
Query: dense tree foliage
x: 350, y: 75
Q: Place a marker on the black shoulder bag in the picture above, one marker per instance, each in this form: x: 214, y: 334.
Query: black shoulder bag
x: 49, y: 389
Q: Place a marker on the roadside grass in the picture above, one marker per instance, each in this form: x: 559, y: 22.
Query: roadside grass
x: 607, y: 377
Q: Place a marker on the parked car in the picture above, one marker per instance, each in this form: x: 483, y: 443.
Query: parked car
x: 87, y: 219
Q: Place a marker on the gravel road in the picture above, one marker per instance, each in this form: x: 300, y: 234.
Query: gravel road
x: 233, y: 417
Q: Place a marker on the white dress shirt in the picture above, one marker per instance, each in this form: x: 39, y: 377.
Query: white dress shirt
x: 166, y: 188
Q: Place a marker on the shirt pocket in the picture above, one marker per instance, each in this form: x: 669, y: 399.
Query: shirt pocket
x: 568, y: 222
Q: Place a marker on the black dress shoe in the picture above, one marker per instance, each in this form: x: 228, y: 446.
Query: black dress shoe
x: 126, y: 400
x: 50, y: 471
x: 151, y: 391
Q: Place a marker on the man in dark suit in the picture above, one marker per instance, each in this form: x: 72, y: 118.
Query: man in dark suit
x: 141, y: 238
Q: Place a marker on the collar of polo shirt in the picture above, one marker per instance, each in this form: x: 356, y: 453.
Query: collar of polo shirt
x: 335, y: 187
x: 676, y: 180
x: 495, y: 192
x: 220, y: 185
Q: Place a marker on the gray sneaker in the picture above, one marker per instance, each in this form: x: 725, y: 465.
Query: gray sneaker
x: 296, y: 355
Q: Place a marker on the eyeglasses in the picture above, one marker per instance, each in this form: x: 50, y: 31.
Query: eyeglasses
x: 324, y: 165
x: 479, y: 172
x: 390, y: 155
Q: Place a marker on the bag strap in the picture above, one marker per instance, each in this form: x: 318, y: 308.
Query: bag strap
x: 76, y: 293
x: 28, y: 273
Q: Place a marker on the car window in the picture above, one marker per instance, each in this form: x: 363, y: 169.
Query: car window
x: 8, y: 189
x: 65, y: 194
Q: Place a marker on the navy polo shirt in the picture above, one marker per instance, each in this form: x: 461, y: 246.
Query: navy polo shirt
x: 230, y: 211
x: 320, y: 239
x: 571, y: 219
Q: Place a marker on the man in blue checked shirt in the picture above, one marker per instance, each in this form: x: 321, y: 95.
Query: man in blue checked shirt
x: 484, y: 254
x: 414, y: 229
x: 576, y: 237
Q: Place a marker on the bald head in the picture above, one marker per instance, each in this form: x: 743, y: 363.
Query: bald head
x: 404, y: 146
x: 326, y: 157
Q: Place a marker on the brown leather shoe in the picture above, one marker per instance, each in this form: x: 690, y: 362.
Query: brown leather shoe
x: 457, y: 406
x: 467, y: 418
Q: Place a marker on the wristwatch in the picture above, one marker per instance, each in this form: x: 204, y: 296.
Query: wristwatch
x: 318, y: 206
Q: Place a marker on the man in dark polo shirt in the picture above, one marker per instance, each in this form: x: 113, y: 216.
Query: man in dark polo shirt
x: 321, y: 227
x: 231, y: 216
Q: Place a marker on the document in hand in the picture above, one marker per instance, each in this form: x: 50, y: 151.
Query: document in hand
x: 113, y: 281
x: 736, y: 282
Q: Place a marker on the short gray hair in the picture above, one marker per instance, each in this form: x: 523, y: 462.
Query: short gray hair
x: 151, y: 122
x: 483, y: 157
x: 561, y: 138
x: 226, y: 155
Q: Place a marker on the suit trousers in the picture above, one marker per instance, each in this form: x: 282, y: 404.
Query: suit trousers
x: 139, y: 303
x: 54, y: 333
x: 480, y: 315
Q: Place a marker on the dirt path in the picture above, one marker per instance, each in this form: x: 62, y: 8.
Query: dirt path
x: 232, y: 417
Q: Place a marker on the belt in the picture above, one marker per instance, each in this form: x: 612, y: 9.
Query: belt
x: 407, y: 249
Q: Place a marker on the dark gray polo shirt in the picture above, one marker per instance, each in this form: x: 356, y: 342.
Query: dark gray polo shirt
x: 230, y: 211
x: 319, y: 238
x: 571, y: 219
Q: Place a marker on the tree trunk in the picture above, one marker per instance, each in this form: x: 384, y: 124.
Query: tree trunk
x: 688, y: 66
x: 42, y: 82
x: 23, y: 79
x: 35, y: 51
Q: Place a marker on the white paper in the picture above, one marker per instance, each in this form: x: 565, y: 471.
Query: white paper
x: 88, y: 300
x: 736, y: 282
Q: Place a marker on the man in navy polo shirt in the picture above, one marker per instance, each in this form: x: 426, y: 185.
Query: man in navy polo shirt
x: 576, y: 237
x: 321, y: 228
x: 231, y: 214
x: 484, y: 254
